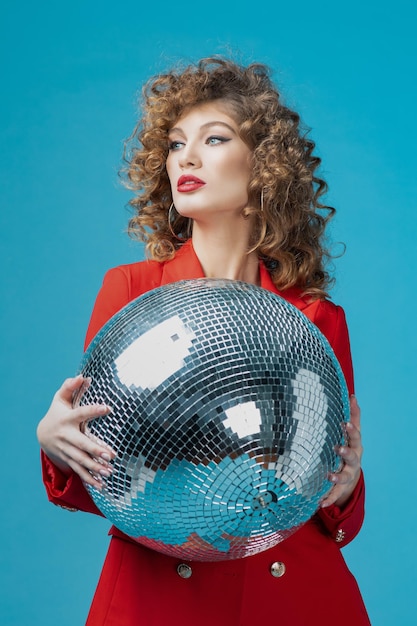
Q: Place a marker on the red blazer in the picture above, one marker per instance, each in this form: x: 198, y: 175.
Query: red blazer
x: 303, y: 581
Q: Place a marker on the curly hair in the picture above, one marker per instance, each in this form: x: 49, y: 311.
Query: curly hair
x: 284, y: 191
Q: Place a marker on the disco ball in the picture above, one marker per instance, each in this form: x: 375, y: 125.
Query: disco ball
x: 227, y: 403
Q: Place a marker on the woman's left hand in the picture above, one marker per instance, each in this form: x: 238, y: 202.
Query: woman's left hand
x: 347, y: 478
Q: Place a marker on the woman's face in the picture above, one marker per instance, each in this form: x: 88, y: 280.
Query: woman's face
x: 208, y: 164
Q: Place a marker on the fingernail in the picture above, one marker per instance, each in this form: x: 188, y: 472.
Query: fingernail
x: 105, y: 456
x: 106, y: 472
x: 349, y: 425
x: 342, y: 450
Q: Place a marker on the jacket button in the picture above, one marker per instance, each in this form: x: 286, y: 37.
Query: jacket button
x: 184, y: 570
x: 68, y: 508
x: 277, y: 569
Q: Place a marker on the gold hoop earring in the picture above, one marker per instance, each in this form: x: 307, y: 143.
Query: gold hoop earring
x: 171, y: 230
x: 262, y: 200
x: 262, y: 219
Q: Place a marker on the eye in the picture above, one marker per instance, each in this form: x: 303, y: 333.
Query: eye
x: 175, y: 145
x: 215, y: 139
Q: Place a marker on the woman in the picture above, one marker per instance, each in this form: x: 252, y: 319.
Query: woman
x: 226, y: 187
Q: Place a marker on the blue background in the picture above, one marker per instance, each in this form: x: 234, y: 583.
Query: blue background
x: 71, y: 72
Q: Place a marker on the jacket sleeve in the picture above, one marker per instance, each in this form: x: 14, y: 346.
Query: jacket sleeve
x: 114, y: 294
x: 343, y: 524
x: 69, y: 491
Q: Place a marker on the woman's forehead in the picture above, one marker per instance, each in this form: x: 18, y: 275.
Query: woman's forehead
x: 215, y: 109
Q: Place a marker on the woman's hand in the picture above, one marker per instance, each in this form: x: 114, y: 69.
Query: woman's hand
x: 60, y: 436
x: 346, y: 480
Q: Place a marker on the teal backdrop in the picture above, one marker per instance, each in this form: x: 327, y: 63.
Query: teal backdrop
x: 70, y: 77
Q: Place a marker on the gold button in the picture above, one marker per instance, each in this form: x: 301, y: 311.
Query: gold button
x: 277, y: 569
x: 67, y: 508
x: 340, y: 535
x: 184, y: 570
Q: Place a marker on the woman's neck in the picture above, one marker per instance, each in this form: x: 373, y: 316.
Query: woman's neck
x: 223, y: 253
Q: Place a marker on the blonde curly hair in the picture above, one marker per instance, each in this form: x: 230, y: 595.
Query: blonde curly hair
x: 284, y: 191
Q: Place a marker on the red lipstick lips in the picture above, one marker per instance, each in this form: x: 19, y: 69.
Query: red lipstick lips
x: 187, y: 183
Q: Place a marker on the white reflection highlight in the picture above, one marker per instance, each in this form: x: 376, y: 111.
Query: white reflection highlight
x: 244, y: 419
x: 156, y: 355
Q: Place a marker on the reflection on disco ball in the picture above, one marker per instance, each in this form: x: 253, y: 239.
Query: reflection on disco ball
x: 227, y: 405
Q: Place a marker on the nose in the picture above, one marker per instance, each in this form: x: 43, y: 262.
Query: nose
x: 189, y: 156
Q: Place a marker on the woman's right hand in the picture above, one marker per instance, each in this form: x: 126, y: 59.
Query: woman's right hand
x: 60, y: 436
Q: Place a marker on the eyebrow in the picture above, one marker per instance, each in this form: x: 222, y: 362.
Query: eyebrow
x: 206, y: 125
